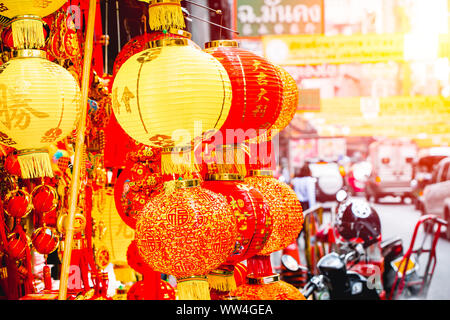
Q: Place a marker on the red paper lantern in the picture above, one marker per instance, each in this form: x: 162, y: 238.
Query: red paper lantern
x: 186, y: 233
x: 257, y: 90
x: 18, y: 204
x: 45, y: 199
x: 16, y: 248
x: 137, y: 291
x: 268, y: 288
x: 45, y: 240
x: 285, y: 209
x: 252, y: 220
x: 12, y: 166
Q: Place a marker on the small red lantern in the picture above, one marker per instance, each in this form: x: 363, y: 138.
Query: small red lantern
x: 137, y: 291
x: 16, y: 247
x: 257, y: 91
x: 12, y: 165
x: 45, y: 240
x: 18, y: 204
x: 268, y: 288
x: 45, y: 199
x: 134, y: 259
x: 253, y: 224
x: 186, y: 233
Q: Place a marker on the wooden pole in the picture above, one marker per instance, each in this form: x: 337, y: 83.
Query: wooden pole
x: 75, y: 183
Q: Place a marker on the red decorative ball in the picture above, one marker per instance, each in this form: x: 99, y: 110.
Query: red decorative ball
x: 16, y: 247
x: 45, y: 199
x: 45, y: 240
x: 18, y: 204
x: 137, y: 291
x: 251, y: 212
x: 12, y: 165
x: 257, y: 90
x: 187, y: 232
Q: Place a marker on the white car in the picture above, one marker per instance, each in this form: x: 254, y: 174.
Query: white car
x: 436, y: 196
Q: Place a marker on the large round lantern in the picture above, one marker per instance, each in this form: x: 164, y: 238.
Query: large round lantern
x: 268, y: 288
x: 170, y: 94
x: 290, y: 100
x: 186, y: 233
x: 257, y: 92
x: 285, y: 209
x: 252, y: 220
x: 40, y: 105
x: 26, y: 18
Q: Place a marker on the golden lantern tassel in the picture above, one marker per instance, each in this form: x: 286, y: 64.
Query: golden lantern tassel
x: 193, y: 288
x: 28, y: 33
x: 231, y: 159
x: 178, y: 160
x: 222, y: 280
x: 35, y: 164
x: 165, y: 14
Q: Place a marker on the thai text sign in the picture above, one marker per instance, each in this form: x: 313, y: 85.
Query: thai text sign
x: 256, y: 18
x: 313, y: 50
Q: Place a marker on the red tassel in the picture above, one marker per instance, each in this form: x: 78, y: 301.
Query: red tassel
x: 47, y: 278
x: 259, y: 266
x: 152, y: 284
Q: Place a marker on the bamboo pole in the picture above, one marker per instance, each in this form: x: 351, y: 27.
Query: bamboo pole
x: 75, y: 183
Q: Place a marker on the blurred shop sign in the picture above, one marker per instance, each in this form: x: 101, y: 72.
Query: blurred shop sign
x: 255, y: 18
x: 338, y: 49
x: 308, y: 100
x: 312, y: 72
x: 302, y: 149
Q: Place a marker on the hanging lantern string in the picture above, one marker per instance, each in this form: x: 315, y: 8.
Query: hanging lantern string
x: 204, y: 7
x: 188, y: 15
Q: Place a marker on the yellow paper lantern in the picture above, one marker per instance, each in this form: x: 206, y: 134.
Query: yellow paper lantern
x: 26, y: 19
x: 39, y: 105
x: 170, y: 94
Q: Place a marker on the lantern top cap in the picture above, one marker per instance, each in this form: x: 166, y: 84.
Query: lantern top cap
x: 29, y: 53
x: 160, y: 2
x: 225, y: 177
x: 221, y: 43
x: 180, y: 32
x: 169, y: 42
x: 187, y: 183
x: 261, y: 173
x: 263, y: 280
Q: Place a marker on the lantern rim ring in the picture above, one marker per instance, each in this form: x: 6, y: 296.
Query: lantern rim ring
x: 261, y: 173
x: 176, y: 149
x: 225, y: 177
x: 229, y: 146
x: 191, y: 183
x: 181, y: 32
x: 263, y: 280
x: 222, y: 43
x: 192, y: 278
x: 29, y: 53
x: 168, y: 42
x: 220, y: 272
x: 26, y: 17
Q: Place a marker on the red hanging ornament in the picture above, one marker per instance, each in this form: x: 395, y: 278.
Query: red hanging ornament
x: 137, y: 291
x: 257, y: 91
x: 45, y: 240
x: 45, y: 199
x: 186, y: 233
x: 18, y: 204
x: 16, y: 246
x: 134, y: 259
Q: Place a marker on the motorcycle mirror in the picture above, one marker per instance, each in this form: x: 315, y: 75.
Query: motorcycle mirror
x: 290, y: 263
x: 341, y: 195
